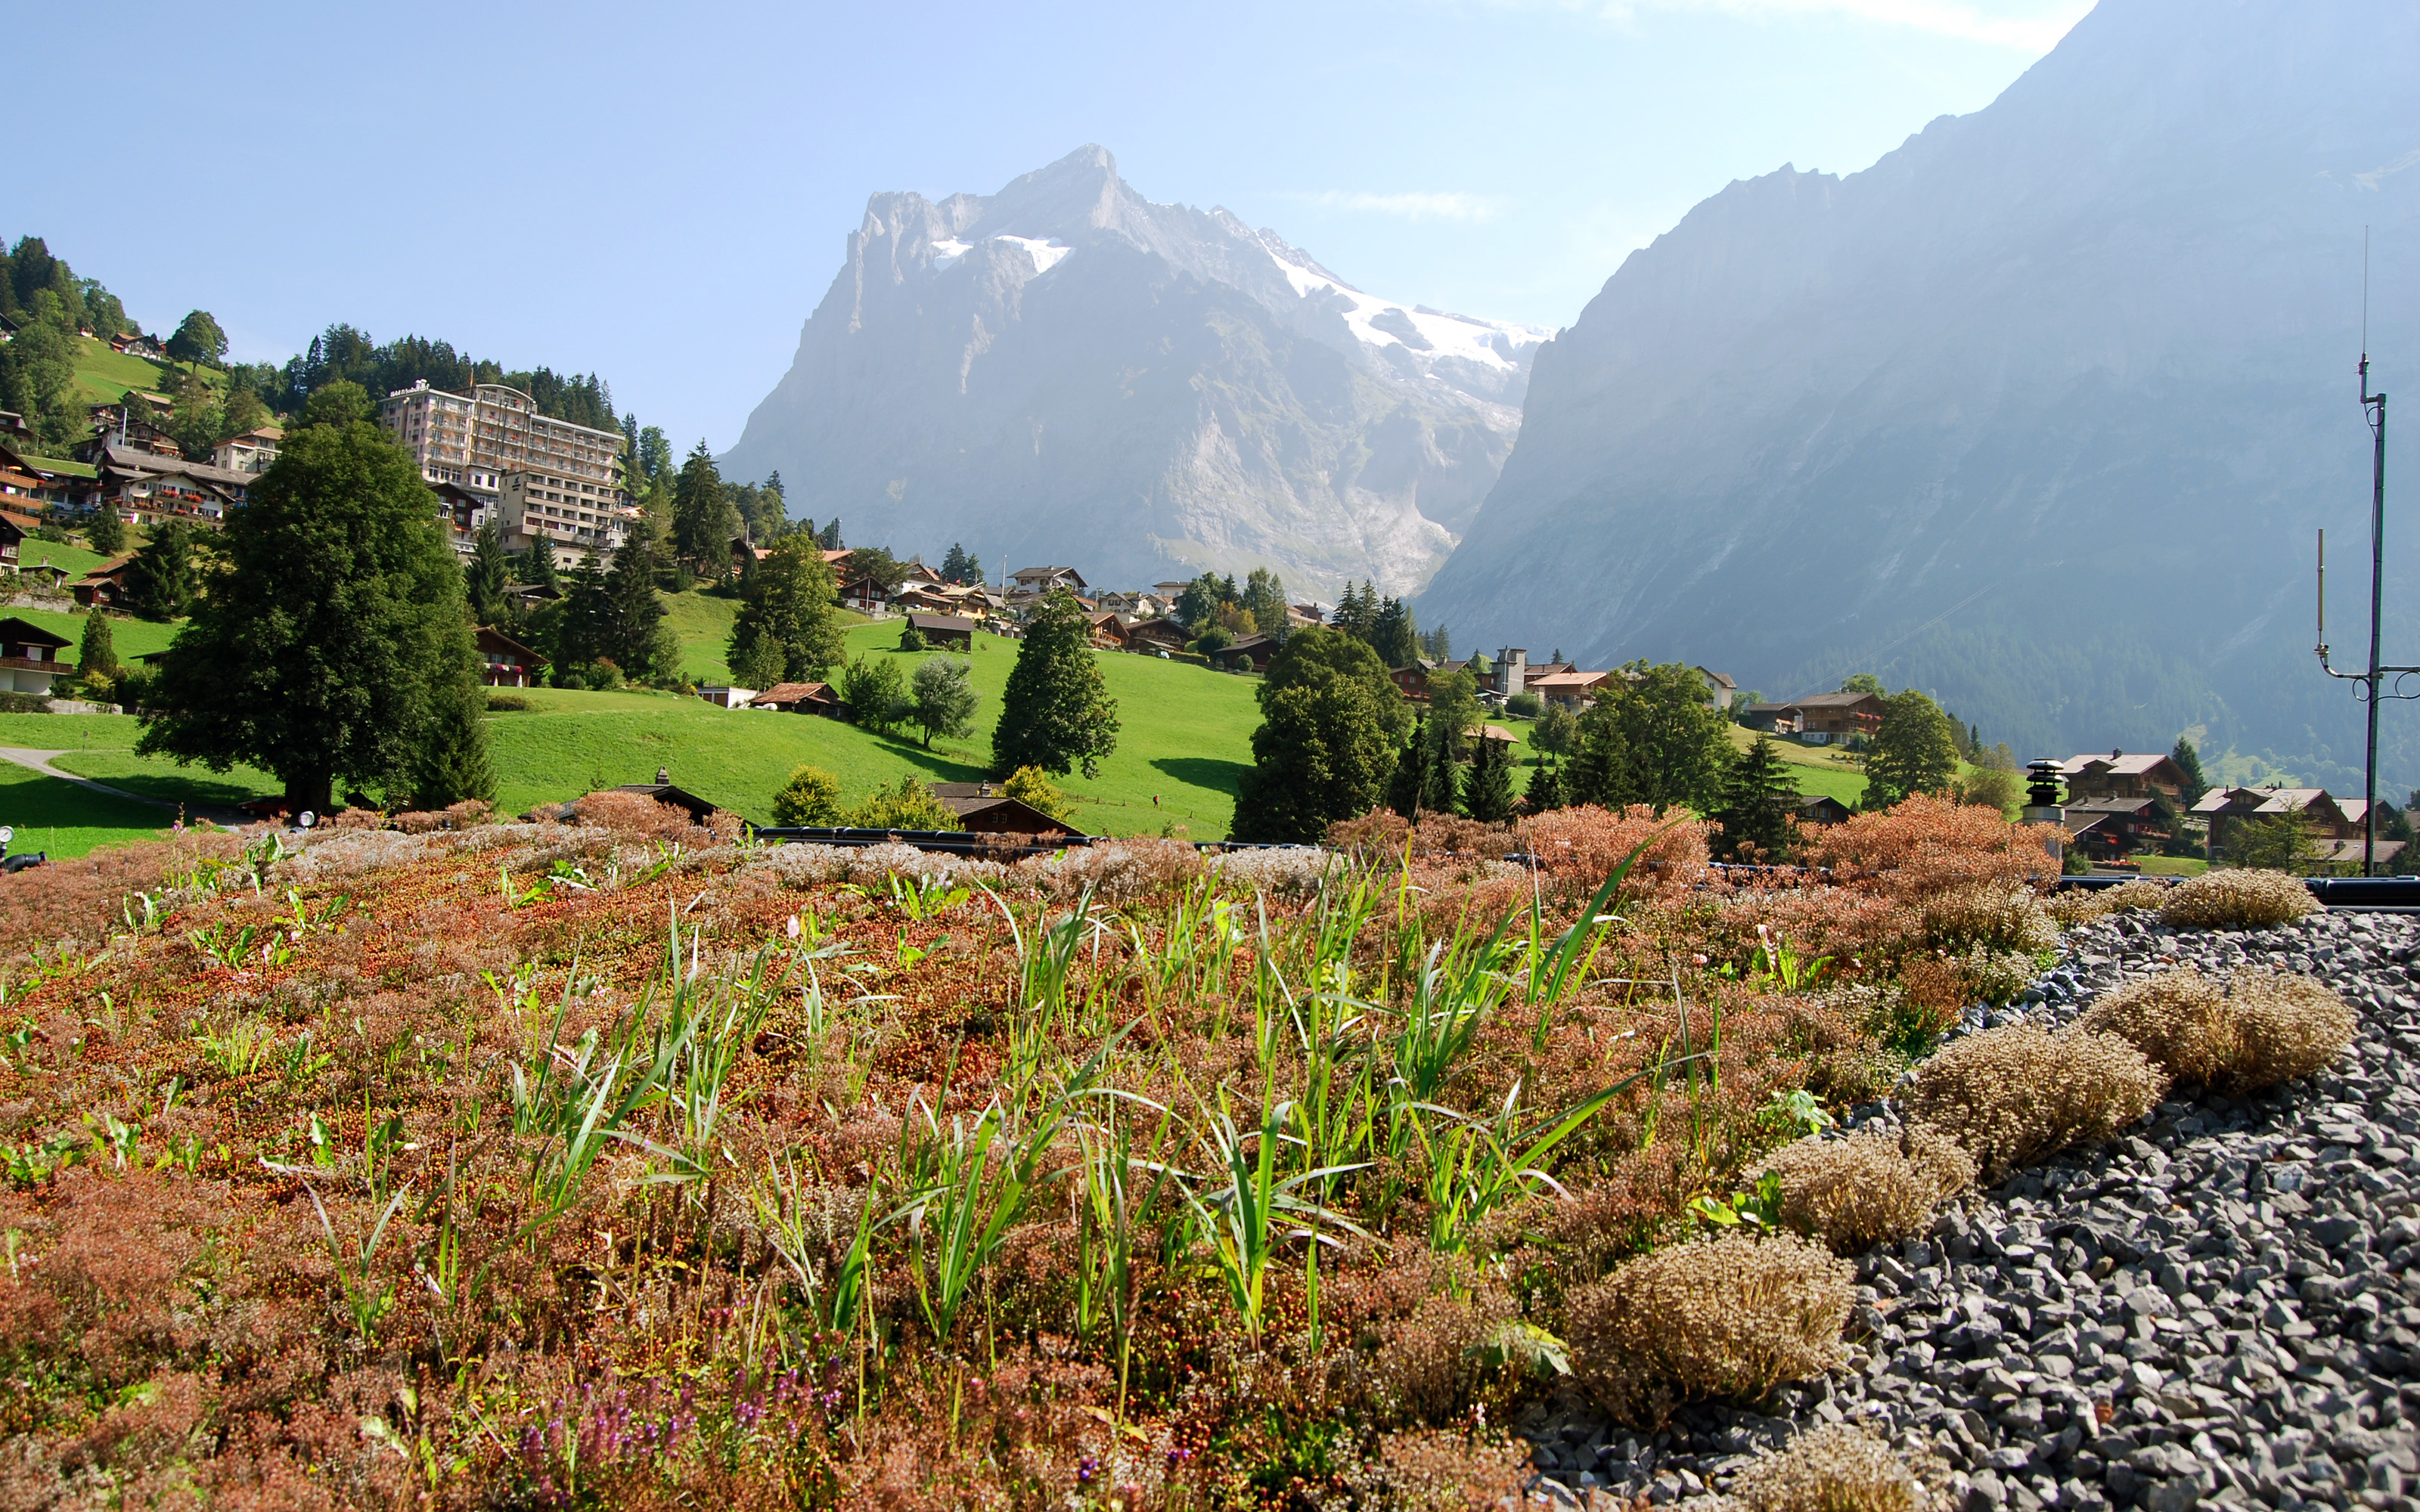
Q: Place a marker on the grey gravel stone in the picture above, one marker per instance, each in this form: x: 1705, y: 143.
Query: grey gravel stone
x: 2219, y: 1308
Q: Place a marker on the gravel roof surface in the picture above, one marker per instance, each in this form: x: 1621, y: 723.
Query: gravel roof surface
x: 2221, y: 1308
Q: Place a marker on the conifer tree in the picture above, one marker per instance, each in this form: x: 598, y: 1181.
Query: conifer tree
x: 704, y: 520
x: 1453, y: 709
x: 635, y: 639
x: 1489, y: 799
x: 485, y: 576
x: 1394, y: 634
x: 96, y: 656
x: 1759, y: 799
x: 536, y: 567
x: 1056, y: 713
x: 450, y: 761
x: 588, y: 626
x: 106, y: 533
x: 1545, y: 790
x: 1407, y: 788
x: 829, y: 539
x: 2189, y: 760
x: 161, y: 580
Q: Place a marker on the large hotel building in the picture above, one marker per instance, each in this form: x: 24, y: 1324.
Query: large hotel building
x: 541, y: 479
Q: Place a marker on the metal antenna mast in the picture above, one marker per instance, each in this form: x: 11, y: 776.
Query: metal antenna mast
x: 2374, y: 414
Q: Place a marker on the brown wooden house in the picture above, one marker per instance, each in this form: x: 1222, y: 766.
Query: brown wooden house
x: 945, y: 630
x: 29, y: 657
x: 1254, y: 652
x: 983, y: 810
x: 506, y: 663
x: 2119, y: 775
x: 802, y: 698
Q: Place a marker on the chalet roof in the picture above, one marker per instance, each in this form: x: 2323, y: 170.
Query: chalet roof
x: 1573, y: 679
x: 491, y: 639
x: 1492, y: 733
x: 23, y: 522
x: 48, y: 466
x: 2111, y: 806
x: 967, y: 799
x: 127, y: 459
x: 1827, y: 701
x: 109, y: 569
x: 25, y: 632
x: 666, y: 793
x: 950, y: 623
x: 2117, y: 762
x: 796, y: 693
x: 1718, y: 679
x: 2260, y: 800
x: 1247, y: 642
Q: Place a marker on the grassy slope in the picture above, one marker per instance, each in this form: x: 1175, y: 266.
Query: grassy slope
x: 102, y: 376
x: 65, y: 818
x: 78, y: 560
x: 702, y: 622
x: 1820, y: 772
x: 130, y: 638
x: 1186, y: 735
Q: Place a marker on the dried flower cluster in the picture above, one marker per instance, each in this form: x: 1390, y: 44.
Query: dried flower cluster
x: 1869, y: 1188
x: 2012, y: 1097
x: 1843, y: 1467
x: 2236, y: 898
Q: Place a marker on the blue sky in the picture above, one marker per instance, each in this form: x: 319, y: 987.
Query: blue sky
x: 664, y: 200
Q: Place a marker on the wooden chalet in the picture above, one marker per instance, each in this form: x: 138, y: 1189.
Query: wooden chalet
x: 504, y: 662
x: 1818, y: 808
x: 946, y: 630
x: 1161, y: 634
x: 29, y: 657
x: 15, y: 530
x: 1574, y: 690
x: 1039, y: 580
x: 1820, y: 720
x: 983, y: 810
x: 104, y: 586
x: 1108, y: 630
x: 802, y: 698
x: 1252, y: 653
x: 2119, y: 775
x: 2109, y: 829
x: 2333, y: 824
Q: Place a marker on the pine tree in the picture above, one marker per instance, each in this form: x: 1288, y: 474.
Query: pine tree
x: 954, y: 566
x: 1408, y: 786
x: 1265, y: 601
x: 106, y: 534
x: 1759, y: 798
x: 1489, y: 799
x: 160, y: 581
x: 587, y: 629
x: 1056, y: 713
x: 536, y: 566
x: 704, y: 520
x: 829, y: 539
x: 634, y: 616
x: 1454, y: 710
x: 2189, y: 760
x: 1545, y: 790
x: 1394, y: 634
x: 450, y: 761
x: 485, y: 576
x: 95, y: 657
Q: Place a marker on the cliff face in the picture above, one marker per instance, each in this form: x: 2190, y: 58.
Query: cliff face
x: 1064, y: 372
x: 2039, y: 412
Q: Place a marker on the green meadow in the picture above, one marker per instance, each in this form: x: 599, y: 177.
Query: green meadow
x: 1185, y: 736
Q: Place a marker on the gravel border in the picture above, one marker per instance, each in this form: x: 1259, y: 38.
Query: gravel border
x: 2219, y: 1308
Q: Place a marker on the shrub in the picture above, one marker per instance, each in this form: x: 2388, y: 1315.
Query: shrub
x: 1840, y: 1468
x: 2071, y: 906
x: 1729, y: 1317
x: 1580, y: 847
x: 1289, y: 872
x: 2178, y: 1019
x: 907, y: 804
x: 2141, y: 894
x: 1118, y: 872
x: 810, y: 797
x: 2237, y: 900
x: 1990, y: 914
x: 1435, y: 1470
x: 506, y: 703
x: 1871, y: 1188
x: 1924, y: 845
x: 2288, y: 1026
x: 2013, y: 1096
x: 1032, y: 786
x: 633, y: 814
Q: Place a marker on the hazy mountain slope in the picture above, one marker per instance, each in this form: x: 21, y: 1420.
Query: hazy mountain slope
x: 2038, y: 413
x: 1065, y: 372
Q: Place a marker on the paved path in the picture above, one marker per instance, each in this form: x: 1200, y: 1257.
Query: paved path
x: 41, y: 761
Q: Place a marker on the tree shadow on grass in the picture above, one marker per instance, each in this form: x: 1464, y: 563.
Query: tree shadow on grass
x: 1211, y: 772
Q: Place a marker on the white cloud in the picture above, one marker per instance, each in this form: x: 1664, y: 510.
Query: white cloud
x: 2030, y: 26
x: 1411, y: 207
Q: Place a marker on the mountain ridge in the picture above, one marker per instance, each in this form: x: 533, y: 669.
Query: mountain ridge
x: 1065, y: 370
x: 2038, y: 411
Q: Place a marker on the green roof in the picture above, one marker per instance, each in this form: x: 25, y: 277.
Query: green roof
x: 66, y: 468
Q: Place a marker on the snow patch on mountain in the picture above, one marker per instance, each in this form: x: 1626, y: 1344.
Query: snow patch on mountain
x: 1417, y: 327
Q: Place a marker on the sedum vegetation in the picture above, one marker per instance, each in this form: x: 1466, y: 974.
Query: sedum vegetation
x: 613, y: 1161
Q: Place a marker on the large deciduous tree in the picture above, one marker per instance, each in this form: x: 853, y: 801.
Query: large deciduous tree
x: 1056, y: 713
x: 1652, y: 736
x: 1916, y: 750
x: 335, y: 647
x: 1331, y: 724
x: 941, y: 700
x: 197, y: 340
x: 788, y: 622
